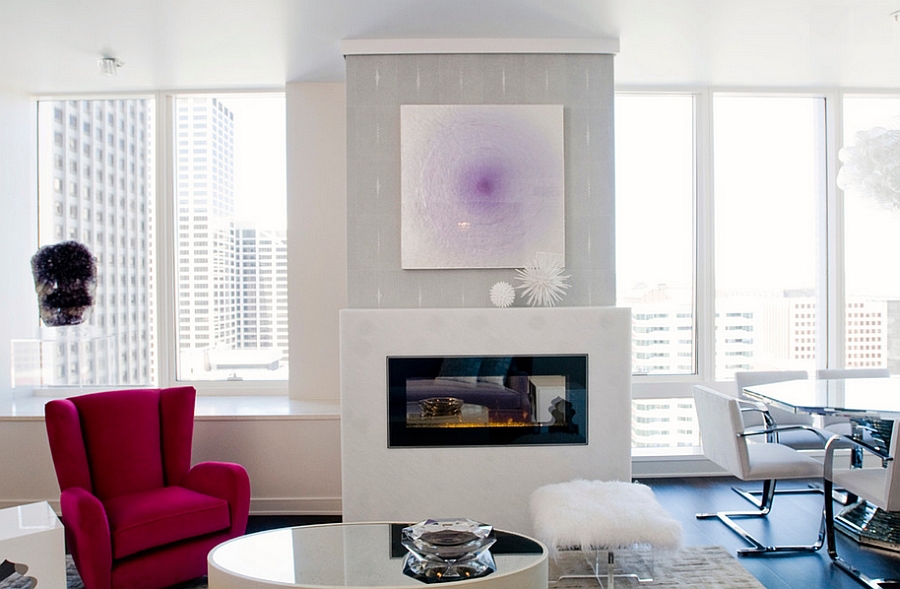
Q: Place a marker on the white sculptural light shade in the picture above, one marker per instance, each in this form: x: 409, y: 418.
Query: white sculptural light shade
x: 872, y: 165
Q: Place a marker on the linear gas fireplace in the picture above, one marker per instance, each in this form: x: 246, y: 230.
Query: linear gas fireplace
x: 520, y: 400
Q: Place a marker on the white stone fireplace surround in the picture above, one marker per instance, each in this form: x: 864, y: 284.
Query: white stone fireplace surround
x: 489, y: 484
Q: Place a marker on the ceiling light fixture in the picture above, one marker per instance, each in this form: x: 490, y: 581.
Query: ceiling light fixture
x: 895, y: 16
x: 109, y: 66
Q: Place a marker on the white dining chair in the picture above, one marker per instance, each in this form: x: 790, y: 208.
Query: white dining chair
x: 799, y: 438
x: 725, y: 442
x: 879, y: 485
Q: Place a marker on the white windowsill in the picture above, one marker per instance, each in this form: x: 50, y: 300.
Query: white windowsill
x: 208, y: 408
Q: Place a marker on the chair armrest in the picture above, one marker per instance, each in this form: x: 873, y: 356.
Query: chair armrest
x: 839, y: 441
x: 755, y: 407
x: 784, y: 428
x: 748, y: 406
x: 87, y: 529
x: 227, y: 481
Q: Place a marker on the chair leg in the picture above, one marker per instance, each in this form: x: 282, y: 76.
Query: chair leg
x: 764, y: 506
x: 840, y: 562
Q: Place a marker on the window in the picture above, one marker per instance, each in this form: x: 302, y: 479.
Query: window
x: 720, y: 245
x: 219, y: 223
x: 769, y: 169
x: 871, y: 230
x: 244, y: 191
x: 126, y: 354
x: 656, y: 132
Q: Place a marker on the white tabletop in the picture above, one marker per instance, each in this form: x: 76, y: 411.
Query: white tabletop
x: 23, y: 520
x: 355, y: 555
x: 876, y: 397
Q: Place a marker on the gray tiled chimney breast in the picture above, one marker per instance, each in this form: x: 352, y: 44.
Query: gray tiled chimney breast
x: 376, y: 87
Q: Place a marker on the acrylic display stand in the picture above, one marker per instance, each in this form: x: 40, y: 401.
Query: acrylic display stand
x: 70, y: 356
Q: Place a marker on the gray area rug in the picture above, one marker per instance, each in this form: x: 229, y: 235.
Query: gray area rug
x: 73, y: 580
x: 693, y: 567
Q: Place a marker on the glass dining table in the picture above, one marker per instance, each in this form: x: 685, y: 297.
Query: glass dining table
x: 871, y: 405
x: 877, y: 398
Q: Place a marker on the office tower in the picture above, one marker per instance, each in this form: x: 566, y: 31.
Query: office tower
x: 96, y: 187
x: 263, y: 288
x: 231, y: 275
x: 206, y: 260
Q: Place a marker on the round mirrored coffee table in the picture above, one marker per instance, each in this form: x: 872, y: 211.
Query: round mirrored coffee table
x: 358, y: 555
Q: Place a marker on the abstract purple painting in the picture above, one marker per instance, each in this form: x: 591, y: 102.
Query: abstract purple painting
x: 482, y: 186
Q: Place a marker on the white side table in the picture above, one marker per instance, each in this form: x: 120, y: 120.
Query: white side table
x: 32, y: 535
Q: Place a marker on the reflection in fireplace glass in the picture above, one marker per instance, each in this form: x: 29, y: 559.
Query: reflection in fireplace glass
x: 487, y: 400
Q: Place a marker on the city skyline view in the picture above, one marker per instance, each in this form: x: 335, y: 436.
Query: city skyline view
x: 97, y: 186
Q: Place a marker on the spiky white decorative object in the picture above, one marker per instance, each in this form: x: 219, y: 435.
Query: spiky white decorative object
x: 503, y: 294
x: 543, y: 281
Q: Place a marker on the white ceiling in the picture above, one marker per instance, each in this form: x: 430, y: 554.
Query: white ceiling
x: 52, y: 46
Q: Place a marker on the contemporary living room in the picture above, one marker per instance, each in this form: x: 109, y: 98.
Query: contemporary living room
x: 491, y: 247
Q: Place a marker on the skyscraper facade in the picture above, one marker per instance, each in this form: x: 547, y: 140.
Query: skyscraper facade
x: 231, y: 276
x: 206, y: 254
x: 96, y: 187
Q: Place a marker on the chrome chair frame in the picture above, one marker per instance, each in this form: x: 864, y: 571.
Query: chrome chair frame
x: 839, y: 441
x: 763, y: 507
x: 772, y: 430
x: 732, y: 423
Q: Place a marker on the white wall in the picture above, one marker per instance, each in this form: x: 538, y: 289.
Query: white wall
x: 18, y: 239
x: 317, y: 235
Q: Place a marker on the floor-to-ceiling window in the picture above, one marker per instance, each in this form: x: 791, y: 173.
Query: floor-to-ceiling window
x: 655, y: 252
x: 736, y: 252
x: 191, y: 270
x: 871, y: 236
x: 769, y: 186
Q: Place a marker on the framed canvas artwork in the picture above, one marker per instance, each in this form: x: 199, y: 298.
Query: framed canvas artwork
x: 482, y: 186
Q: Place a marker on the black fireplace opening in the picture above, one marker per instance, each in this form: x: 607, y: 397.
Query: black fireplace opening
x: 520, y: 400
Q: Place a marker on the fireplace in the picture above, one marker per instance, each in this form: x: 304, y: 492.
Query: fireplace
x: 489, y: 483
x: 487, y: 400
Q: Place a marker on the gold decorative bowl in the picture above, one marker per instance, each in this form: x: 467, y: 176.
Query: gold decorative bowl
x: 440, y: 406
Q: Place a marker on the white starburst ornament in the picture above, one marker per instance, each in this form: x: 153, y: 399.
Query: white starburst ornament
x: 543, y: 281
x: 503, y: 294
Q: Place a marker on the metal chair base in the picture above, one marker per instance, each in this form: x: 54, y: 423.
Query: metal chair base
x: 764, y: 506
x: 861, y: 578
x: 842, y: 564
x: 751, y: 496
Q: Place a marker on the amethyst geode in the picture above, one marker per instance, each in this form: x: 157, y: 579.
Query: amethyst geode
x: 65, y: 278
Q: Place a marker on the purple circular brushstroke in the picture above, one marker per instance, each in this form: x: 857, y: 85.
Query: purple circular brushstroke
x: 487, y: 183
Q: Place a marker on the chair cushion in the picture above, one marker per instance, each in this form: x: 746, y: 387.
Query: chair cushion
x: 148, y: 519
x: 774, y: 461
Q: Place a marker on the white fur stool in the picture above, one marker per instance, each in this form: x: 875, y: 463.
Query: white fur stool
x: 595, y: 516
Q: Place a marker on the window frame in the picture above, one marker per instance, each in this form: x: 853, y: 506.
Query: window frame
x: 830, y: 239
x: 167, y: 257
x: 165, y: 247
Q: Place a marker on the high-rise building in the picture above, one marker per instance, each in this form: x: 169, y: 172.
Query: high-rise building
x: 262, y: 288
x: 96, y: 166
x: 96, y: 188
x: 231, y: 275
x: 204, y: 199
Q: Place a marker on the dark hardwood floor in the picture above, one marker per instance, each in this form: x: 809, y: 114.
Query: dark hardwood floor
x: 794, y: 520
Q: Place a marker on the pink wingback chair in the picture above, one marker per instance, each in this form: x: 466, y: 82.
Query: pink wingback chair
x: 137, y: 515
